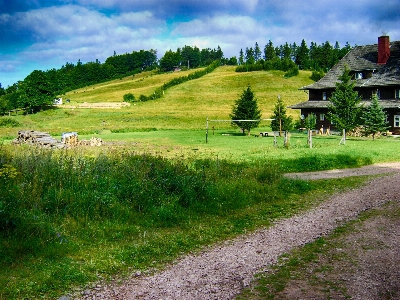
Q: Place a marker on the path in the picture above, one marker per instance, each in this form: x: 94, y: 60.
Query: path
x: 220, y: 272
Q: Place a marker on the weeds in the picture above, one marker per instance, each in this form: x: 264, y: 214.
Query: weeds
x: 66, y: 216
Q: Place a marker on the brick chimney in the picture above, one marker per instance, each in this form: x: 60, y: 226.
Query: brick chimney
x: 383, y: 49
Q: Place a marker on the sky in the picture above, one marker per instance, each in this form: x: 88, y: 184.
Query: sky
x: 46, y: 34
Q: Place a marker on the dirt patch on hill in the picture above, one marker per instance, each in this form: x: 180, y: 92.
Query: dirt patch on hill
x: 114, y: 105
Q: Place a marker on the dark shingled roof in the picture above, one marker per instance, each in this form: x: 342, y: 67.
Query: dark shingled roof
x: 364, y: 58
x: 324, y: 104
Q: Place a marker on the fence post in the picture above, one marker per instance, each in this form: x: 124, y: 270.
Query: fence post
x: 343, y: 140
x: 207, y: 131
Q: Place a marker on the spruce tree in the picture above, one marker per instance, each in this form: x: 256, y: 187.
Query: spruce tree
x: 246, y: 108
x: 374, y: 118
x: 281, y: 121
x: 345, y: 110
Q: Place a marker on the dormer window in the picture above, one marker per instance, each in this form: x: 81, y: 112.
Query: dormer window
x: 323, y: 95
x: 358, y: 75
x: 397, y: 94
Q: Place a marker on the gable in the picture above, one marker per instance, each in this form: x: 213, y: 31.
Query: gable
x: 364, y: 60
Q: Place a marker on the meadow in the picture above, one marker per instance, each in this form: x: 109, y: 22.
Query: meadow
x: 156, y: 190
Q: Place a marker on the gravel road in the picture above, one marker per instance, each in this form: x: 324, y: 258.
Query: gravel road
x: 221, y: 271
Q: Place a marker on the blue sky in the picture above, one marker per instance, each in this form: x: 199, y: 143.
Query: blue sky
x: 45, y: 34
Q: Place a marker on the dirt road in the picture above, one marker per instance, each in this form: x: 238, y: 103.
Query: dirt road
x: 222, y: 271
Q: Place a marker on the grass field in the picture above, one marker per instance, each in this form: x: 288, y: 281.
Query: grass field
x: 185, y: 106
x: 156, y: 190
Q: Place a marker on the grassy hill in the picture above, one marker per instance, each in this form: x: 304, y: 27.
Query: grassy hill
x: 185, y: 106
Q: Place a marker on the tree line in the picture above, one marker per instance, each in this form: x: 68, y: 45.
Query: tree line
x: 291, y: 57
x: 39, y: 88
x: 191, y: 57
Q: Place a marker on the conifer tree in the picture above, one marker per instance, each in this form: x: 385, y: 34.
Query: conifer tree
x: 281, y: 121
x: 345, y: 110
x: 246, y: 108
x: 374, y: 118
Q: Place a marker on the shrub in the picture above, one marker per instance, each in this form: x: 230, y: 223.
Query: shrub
x: 143, y: 98
x: 129, y: 97
x: 317, y: 75
x: 293, y: 71
x: 9, y: 122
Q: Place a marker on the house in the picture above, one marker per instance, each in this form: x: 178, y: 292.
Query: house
x: 58, y: 101
x: 375, y: 69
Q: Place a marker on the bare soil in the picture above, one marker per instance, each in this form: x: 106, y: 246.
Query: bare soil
x: 99, y: 105
x: 222, y: 271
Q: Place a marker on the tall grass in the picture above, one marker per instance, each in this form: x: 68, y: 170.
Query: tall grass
x: 66, y: 217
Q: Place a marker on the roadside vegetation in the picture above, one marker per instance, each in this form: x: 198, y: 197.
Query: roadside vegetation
x: 157, y: 190
x: 67, y: 219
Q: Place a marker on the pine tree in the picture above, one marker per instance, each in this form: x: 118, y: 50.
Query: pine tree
x: 257, y: 52
x: 303, y: 56
x: 345, y: 110
x: 241, y: 57
x: 269, y: 51
x: 246, y: 108
x: 281, y: 122
x: 374, y: 118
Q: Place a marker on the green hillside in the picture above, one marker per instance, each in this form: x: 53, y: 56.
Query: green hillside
x: 185, y: 106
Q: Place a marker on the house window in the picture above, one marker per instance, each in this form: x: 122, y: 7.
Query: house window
x: 396, y: 120
x: 397, y: 94
x: 377, y: 93
x: 359, y: 75
x: 323, y: 95
x: 322, y: 117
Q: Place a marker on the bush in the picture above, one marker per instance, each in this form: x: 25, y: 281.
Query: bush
x: 143, y: 98
x: 129, y: 97
x: 317, y: 75
x: 9, y: 122
x: 294, y: 71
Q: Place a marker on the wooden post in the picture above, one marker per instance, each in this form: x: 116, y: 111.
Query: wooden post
x: 207, y: 131
x: 343, y: 140
x: 280, y: 119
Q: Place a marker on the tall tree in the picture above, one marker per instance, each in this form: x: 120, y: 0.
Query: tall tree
x: 241, y: 57
x: 286, y: 51
x: 246, y: 108
x: 344, y: 109
x: 281, y: 121
x: 269, y: 51
x: 249, y: 56
x: 303, y: 56
x: 35, y: 91
x: 374, y: 118
x: 170, y: 60
x: 257, y: 52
